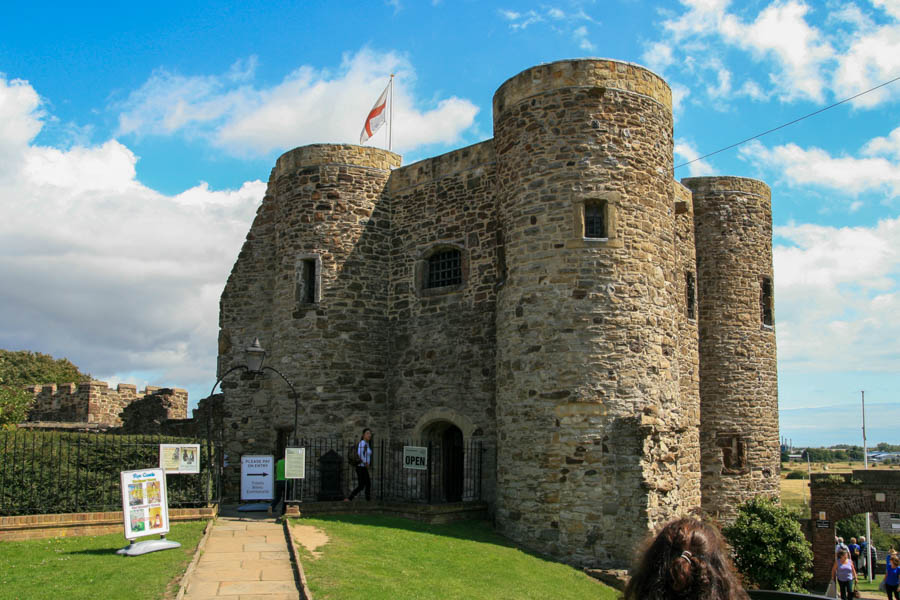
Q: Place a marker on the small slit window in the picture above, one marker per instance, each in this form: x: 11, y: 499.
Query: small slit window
x: 690, y: 288
x: 444, y: 268
x: 595, y: 225
x: 765, y: 301
x: 305, y: 291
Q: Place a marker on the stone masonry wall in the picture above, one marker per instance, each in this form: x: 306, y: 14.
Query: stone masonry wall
x: 324, y: 204
x: 588, y: 384
x: 738, y: 371
x: 95, y: 402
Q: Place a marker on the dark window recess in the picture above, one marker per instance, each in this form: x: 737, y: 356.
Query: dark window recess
x: 306, y: 281
x: 690, y: 290
x: 765, y: 301
x: 734, y: 453
x: 444, y: 268
x: 595, y: 220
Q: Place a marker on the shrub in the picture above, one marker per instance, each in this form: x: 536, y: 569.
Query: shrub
x: 770, y: 549
x: 796, y: 475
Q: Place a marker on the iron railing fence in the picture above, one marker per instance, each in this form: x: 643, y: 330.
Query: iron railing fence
x: 44, y: 472
x: 452, y: 473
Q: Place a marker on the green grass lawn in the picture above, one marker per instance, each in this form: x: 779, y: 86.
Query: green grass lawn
x: 72, y: 568
x: 373, y: 557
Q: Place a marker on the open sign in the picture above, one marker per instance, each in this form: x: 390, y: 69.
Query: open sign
x: 415, y: 457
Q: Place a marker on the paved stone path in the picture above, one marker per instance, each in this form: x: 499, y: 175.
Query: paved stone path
x: 245, y: 558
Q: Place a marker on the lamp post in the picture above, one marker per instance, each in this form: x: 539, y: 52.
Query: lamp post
x: 255, y: 357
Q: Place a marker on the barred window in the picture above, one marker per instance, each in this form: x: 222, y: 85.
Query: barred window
x: 595, y: 225
x: 305, y: 281
x: 444, y: 268
x: 765, y: 301
x: 691, y: 292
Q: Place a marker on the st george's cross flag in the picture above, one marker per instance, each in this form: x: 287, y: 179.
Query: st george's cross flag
x: 376, y: 117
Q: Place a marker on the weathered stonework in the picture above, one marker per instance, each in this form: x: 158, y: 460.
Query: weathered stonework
x: 579, y: 359
x: 94, y: 402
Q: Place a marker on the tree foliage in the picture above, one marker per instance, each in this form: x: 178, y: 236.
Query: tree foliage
x: 24, y: 368
x: 771, y: 551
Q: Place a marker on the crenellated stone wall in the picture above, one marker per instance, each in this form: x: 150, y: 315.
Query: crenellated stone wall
x: 578, y: 360
x: 95, y: 402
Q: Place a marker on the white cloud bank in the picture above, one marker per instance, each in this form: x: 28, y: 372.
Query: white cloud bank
x: 856, y: 47
x: 308, y: 106
x: 101, y: 269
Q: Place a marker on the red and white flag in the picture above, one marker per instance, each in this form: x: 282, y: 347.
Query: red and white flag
x: 376, y: 116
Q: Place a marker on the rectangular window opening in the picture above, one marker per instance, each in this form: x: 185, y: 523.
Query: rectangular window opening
x: 306, y: 281
x: 690, y: 291
x: 444, y: 268
x: 765, y: 301
x: 595, y: 225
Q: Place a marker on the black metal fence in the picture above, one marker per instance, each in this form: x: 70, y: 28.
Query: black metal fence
x: 450, y: 473
x: 64, y: 472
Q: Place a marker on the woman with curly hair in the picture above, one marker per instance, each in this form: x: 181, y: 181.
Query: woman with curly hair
x: 687, y: 560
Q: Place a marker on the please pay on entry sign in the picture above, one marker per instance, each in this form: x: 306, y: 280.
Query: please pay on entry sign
x: 415, y: 457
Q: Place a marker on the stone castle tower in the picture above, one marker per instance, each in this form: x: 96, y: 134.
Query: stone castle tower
x: 551, y: 291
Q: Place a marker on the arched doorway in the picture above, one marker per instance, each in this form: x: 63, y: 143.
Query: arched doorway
x: 834, y: 497
x: 448, y: 458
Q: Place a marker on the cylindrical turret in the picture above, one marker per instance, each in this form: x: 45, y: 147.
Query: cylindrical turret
x: 738, y: 375
x: 311, y: 283
x: 595, y: 442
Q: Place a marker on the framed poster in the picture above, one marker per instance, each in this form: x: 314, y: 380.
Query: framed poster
x: 294, y: 463
x: 179, y: 458
x: 257, y: 477
x: 144, y: 503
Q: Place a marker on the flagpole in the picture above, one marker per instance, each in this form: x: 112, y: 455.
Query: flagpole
x: 391, y: 114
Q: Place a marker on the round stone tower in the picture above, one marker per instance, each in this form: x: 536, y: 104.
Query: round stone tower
x: 311, y: 283
x: 738, y: 376
x: 596, y: 443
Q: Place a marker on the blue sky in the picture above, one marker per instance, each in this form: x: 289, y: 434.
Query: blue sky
x: 135, y: 142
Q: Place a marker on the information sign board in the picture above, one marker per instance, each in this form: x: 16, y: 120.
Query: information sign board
x: 144, y: 502
x: 179, y: 458
x: 294, y: 463
x: 257, y: 477
x: 823, y: 524
x: 415, y: 457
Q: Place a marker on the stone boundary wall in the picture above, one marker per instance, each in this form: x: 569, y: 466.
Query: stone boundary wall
x: 33, y: 527
x: 96, y: 402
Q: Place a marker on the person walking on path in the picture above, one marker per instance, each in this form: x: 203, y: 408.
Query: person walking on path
x: 854, y: 552
x: 280, y: 482
x: 846, y: 574
x: 364, y: 452
x: 892, y: 578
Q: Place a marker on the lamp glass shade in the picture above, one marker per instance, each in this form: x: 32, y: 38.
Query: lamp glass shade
x: 255, y: 356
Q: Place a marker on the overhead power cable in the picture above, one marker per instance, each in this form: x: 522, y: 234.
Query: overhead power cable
x: 782, y: 126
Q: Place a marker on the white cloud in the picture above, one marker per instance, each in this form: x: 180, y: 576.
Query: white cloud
x: 688, y: 153
x: 658, y: 56
x: 884, y: 146
x: 816, y: 167
x: 873, y: 57
x: 837, y: 297
x: 556, y: 19
x: 581, y: 36
x: 103, y: 270
x: 308, y: 106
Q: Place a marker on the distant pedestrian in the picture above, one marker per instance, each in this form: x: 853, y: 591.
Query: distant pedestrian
x: 845, y: 574
x: 280, y: 482
x: 687, y: 560
x: 364, y: 451
x: 854, y: 552
x: 840, y: 545
x: 892, y: 578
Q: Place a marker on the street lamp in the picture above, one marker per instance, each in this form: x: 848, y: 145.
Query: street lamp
x: 255, y: 355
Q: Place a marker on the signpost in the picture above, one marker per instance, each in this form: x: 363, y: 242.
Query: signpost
x: 145, y: 509
x: 295, y: 463
x: 257, y: 477
x: 415, y: 457
x: 179, y: 458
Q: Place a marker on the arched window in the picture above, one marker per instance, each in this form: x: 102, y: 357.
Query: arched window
x: 444, y: 268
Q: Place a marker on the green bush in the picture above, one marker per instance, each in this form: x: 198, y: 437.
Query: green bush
x: 796, y: 475
x: 62, y: 472
x: 770, y: 549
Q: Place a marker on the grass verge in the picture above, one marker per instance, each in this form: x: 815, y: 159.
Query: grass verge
x: 88, y: 567
x: 374, y: 557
